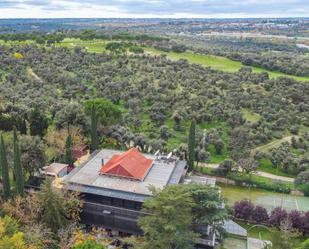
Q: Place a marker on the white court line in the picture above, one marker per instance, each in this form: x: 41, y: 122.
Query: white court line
x: 296, y: 202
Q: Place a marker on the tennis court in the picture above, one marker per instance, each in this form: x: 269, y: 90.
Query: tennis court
x: 271, y: 202
x: 267, y: 199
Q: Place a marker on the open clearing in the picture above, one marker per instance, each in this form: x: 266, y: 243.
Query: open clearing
x: 219, y: 63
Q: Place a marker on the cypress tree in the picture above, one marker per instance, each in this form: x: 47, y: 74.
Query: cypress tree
x: 23, y: 127
x: 94, y: 124
x: 191, y: 146
x: 68, y: 150
x: 54, y: 213
x: 19, y: 179
x: 5, y: 170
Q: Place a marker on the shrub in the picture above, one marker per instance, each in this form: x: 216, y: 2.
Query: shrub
x: 225, y: 167
x: 304, y: 245
x: 18, y: 55
x: 88, y: 244
x: 304, y: 188
x: 305, y: 228
x: 260, y: 214
x: 277, y: 216
x: 279, y: 187
x: 302, y: 177
x: 296, y: 219
x: 243, y: 209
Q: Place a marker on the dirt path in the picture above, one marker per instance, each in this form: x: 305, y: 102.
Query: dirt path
x: 209, y: 165
x: 274, y: 177
x: 275, y: 143
x: 258, y: 173
x: 33, y: 74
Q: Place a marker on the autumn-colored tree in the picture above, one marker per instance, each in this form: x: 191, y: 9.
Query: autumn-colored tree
x: 56, y: 139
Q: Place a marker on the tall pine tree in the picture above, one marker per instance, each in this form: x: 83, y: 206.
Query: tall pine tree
x: 18, y: 172
x: 191, y: 146
x: 5, y: 170
x: 68, y: 150
x: 94, y: 124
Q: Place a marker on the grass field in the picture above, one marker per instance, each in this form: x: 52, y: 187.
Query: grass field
x: 216, y: 62
x: 267, y: 166
x: 266, y: 233
x: 251, y: 116
x: 219, y: 63
x: 93, y: 46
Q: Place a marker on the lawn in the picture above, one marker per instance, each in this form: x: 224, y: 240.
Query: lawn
x: 267, y: 166
x: 219, y: 63
x: 264, y: 233
x: 94, y: 46
x: 178, y: 137
x: 250, y: 116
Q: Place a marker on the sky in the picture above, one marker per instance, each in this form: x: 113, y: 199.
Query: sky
x: 153, y: 8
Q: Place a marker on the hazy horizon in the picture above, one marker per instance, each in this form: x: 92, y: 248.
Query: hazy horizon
x: 11, y: 9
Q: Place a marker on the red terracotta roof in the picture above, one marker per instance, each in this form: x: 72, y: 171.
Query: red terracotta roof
x: 130, y: 164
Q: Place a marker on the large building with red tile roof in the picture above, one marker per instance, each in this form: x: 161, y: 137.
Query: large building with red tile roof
x: 114, y: 184
x: 131, y: 164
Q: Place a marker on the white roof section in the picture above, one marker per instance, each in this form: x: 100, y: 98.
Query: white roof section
x: 54, y: 168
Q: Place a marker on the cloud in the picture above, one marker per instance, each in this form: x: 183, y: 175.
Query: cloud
x: 154, y: 8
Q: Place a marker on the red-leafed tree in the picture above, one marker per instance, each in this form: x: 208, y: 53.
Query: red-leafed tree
x: 243, y: 209
x: 296, y: 219
x: 260, y: 214
x: 277, y: 216
x: 305, y: 227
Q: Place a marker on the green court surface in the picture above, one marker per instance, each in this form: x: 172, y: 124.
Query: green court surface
x: 234, y: 243
x: 267, y: 199
x: 271, y: 202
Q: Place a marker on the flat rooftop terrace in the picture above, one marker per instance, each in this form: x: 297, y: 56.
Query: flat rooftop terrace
x: 86, y: 178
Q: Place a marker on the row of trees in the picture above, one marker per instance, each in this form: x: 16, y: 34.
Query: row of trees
x: 246, y: 210
x: 17, y: 166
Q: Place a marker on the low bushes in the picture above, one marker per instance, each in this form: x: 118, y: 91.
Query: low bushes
x: 255, y: 181
x: 303, y: 188
x: 246, y: 210
x: 261, y: 182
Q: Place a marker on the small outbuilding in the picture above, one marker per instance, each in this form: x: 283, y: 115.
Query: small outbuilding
x: 55, y: 169
x: 79, y: 151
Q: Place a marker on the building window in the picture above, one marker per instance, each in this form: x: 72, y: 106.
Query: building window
x: 117, y: 202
